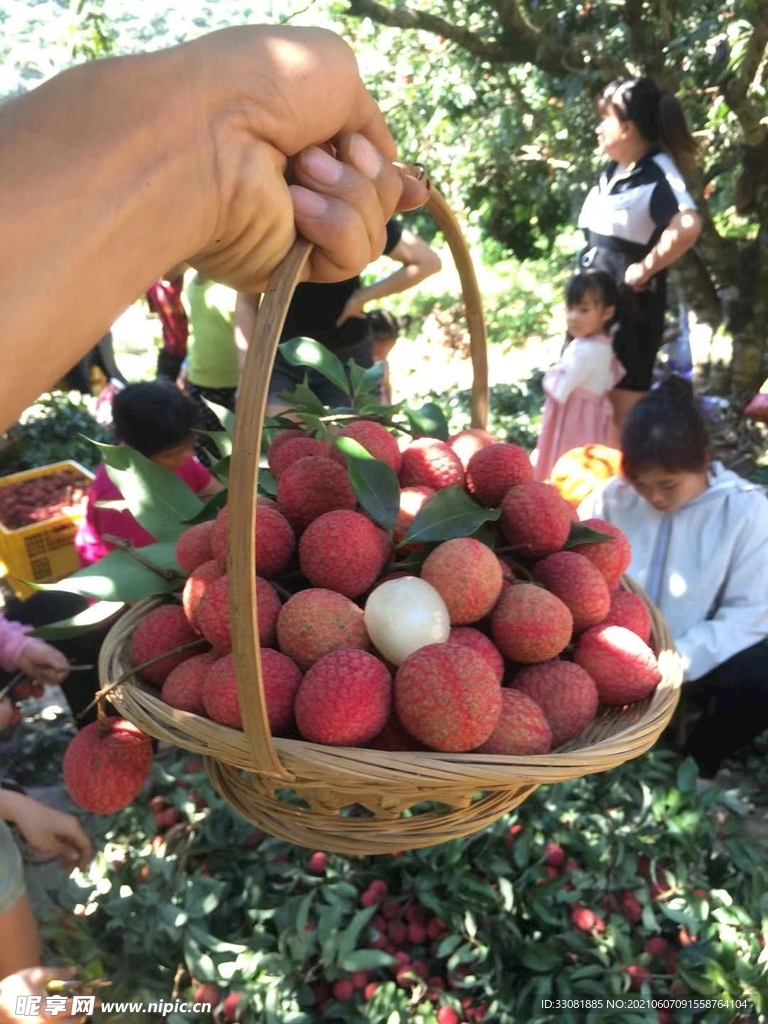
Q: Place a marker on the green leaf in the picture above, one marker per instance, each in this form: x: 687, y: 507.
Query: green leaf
x: 581, y: 534
x: 221, y: 439
x: 78, y: 624
x: 267, y: 483
x: 350, y: 935
x: 303, y: 399
x: 160, y: 501
x: 210, y: 509
x: 428, y: 421
x: 118, y: 577
x: 374, y: 482
x: 538, y: 957
x: 447, y: 514
x: 366, y: 960
x: 308, y: 352
x: 687, y: 774
x: 225, y: 417
x: 365, y: 380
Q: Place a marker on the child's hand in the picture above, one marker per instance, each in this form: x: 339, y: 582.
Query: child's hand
x: 44, y: 663
x: 32, y: 982
x: 50, y: 831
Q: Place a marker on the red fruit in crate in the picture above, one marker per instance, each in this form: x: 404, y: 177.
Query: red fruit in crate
x: 183, y: 687
x: 376, y: 440
x: 529, y: 624
x: 578, y: 583
x: 163, y: 629
x: 611, y: 557
x: 535, y: 519
x: 194, y: 547
x: 106, y: 764
x: 312, y: 486
x: 623, y: 667
x: 195, y: 587
x: 494, y: 469
x: 565, y: 693
x: 344, y: 699
x: 343, y: 551
x: 467, y: 575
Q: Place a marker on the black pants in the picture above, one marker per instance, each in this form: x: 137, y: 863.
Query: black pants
x: 45, y: 607
x: 733, y: 700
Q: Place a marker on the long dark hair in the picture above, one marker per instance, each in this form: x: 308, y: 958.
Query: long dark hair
x: 659, y: 117
x: 665, y: 429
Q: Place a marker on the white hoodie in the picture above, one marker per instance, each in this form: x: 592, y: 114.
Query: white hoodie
x: 705, y: 565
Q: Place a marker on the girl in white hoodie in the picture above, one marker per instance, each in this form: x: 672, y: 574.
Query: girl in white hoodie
x: 699, y: 536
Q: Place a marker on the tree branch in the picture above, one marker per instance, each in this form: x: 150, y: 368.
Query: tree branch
x: 748, y: 110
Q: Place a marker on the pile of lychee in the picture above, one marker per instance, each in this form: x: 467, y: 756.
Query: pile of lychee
x: 370, y: 638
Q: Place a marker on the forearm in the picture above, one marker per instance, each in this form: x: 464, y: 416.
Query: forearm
x: 404, y: 278
x: 12, y: 806
x: 99, y: 216
x: 676, y: 239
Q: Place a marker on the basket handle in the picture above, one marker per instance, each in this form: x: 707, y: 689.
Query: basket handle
x: 244, y: 468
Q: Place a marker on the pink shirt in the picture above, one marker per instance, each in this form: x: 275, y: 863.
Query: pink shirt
x: 99, y: 521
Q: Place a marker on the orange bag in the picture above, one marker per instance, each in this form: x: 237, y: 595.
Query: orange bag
x: 580, y: 470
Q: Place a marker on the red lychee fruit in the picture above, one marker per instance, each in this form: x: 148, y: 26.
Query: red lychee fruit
x: 231, y: 1009
x: 479, y: 642
x: 343, y: 551
x: 630, y: 611
x: 535, y: 519
x: 312, y: 486
x: 290, y: 451
x: 530, y: 624
x: 657, y: 947
x: 274, y: 539
x: 521, y: 728
x: 183, y: 687
x: 585, y: 920
x: 554, y: 855
x: 163, y: 629
x: 394, y: 736
x: 281, y: 437
x: 447, y: 696
x: 638, y: 975
x: 447, y: 1015
x: 469, y: 441
x: 494, y: 469
x: 213, y: 614
x: 630, y: 906
x: 195, y: 587
x: 428, y: 462
x: 578, y: 583
x: 106, y: 764
x: 612, y: 557
x: 317, y: 863
x: 411, y: 501
x: 219, y: 694
x: 344, y: 699
x: 281, y: 678
x: 622, y: 666
x: 207, y: 993
x: 376, y: 440
x: 194, y: 546
x: 314, y: 622
x: 564, y: 692
x: 467, y: 575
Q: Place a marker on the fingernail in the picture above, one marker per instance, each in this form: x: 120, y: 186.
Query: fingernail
x: 322, y: 167
x: 308, y: 203
x: 365, y: 157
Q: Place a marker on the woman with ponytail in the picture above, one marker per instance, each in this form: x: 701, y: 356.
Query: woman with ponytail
x: 639, y: 219
x: 699, y: 536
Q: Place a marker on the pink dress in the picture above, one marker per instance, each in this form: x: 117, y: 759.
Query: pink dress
x: 99, y: 521
x: 577, y: 410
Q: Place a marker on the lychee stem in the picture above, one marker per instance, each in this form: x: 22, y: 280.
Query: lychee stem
x: 129, y: 549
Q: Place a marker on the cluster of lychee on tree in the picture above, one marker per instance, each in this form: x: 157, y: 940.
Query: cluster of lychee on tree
x: 412, y: 594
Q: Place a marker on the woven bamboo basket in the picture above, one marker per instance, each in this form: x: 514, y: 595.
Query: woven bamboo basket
x: 359, y: 801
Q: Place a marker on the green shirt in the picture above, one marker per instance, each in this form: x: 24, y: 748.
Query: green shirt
x: 211, y: 348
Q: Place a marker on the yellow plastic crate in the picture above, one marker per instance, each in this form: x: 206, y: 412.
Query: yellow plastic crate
x: 41, y: 552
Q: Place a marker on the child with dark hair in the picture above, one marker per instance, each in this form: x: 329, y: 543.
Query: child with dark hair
x: 158, y: 421
x: 577, y: 410
x: 699, y: 536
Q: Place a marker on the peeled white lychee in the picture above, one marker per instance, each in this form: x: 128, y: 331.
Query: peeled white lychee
x: 405, y: 614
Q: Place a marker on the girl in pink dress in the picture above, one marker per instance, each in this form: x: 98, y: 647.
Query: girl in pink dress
x: 577, y: 410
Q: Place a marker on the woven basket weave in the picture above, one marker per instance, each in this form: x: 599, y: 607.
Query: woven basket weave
x: 356, y: 800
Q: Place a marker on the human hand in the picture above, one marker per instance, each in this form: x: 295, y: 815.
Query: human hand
x: 32, y: 982
x: 636, y: 277
x: 7, y: 712
x: 265, y: 103
x: 353, y: 307
x: 50, y: 831
x: 44, y: 663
